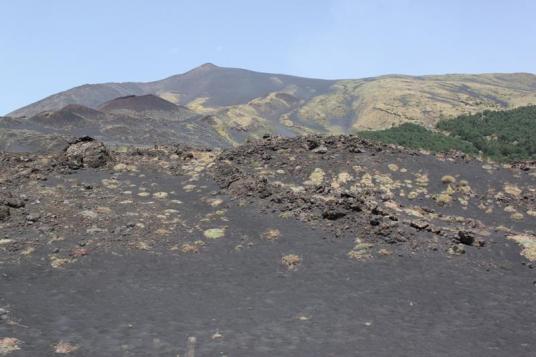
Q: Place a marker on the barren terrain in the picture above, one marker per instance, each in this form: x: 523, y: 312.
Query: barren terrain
x: 325, y: 246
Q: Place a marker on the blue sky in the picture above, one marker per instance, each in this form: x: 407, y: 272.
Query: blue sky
x: 49, y: 46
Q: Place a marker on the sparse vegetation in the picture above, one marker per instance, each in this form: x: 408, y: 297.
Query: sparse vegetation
x: 417, y: 137
x: 500, y: 135
x: 291, y: 261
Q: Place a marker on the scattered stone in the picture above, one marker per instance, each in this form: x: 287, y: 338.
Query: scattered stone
x: 89, y: 214
x: 217, y: 336
x: 3, y: 314
x: 466, y: 238
x: 4, y: 213
x: 33, y: 217
x: 320, y: 150
x: 420, y: 225
x: 311, y: 144
x: 333, y: 214
x: 376, y: 221
x: 9, y: 200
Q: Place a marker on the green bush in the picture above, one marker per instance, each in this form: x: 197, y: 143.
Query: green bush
x: 417, y: 137
x: 501, y: 135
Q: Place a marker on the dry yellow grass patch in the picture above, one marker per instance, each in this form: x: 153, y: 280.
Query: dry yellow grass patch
x: 271, y: 234
x: 385, y: 252
x: 448, y: 179
x: 528, y: 242
x: 214, y: 233
x: 160, y: 195
x: 291, y: 261
x: 512, y: 190
x: 65, y: 347
x: 214, y: 202
x: 142, y: 245
x: 443, y: 198
x: 393, y: 167
x: 57, y: 262
x: 317, y: 177
x: 341, y: 179
x: 189, y: 188
x: 361, y: 251
x: 8, y: 345
x: 192, y: 247
x: 517, y: 216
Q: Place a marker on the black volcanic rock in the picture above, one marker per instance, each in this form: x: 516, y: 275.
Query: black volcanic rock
x: 86, y: 152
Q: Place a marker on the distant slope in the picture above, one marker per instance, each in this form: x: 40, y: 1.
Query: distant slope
x: 218, y: 86
x: 134, y: 120
x: 243, y: 104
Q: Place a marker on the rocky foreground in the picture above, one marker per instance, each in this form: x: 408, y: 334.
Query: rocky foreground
x: 329, y: 246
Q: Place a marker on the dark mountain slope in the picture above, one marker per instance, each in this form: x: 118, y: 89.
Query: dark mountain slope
x: 222, y: 86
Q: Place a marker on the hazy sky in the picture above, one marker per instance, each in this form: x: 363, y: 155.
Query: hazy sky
x: 51, y: 45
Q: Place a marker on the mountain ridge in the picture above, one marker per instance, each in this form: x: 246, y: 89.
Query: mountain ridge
x: 235, y: 104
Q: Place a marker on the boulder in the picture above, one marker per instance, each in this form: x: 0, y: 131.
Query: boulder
x: 465, y: 237
x: 86, y: 152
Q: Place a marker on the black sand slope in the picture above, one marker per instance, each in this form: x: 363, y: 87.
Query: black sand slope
x: 129, y: 254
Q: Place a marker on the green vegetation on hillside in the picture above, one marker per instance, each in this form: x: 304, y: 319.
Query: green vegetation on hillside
x: 500, y: 135
x: 417, y: 137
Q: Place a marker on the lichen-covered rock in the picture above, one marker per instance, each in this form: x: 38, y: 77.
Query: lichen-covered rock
x: 86, y: 152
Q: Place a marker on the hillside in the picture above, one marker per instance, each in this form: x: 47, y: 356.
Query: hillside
x: 252, y: 103
x: 507, y: 135
x: 143, y: 120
